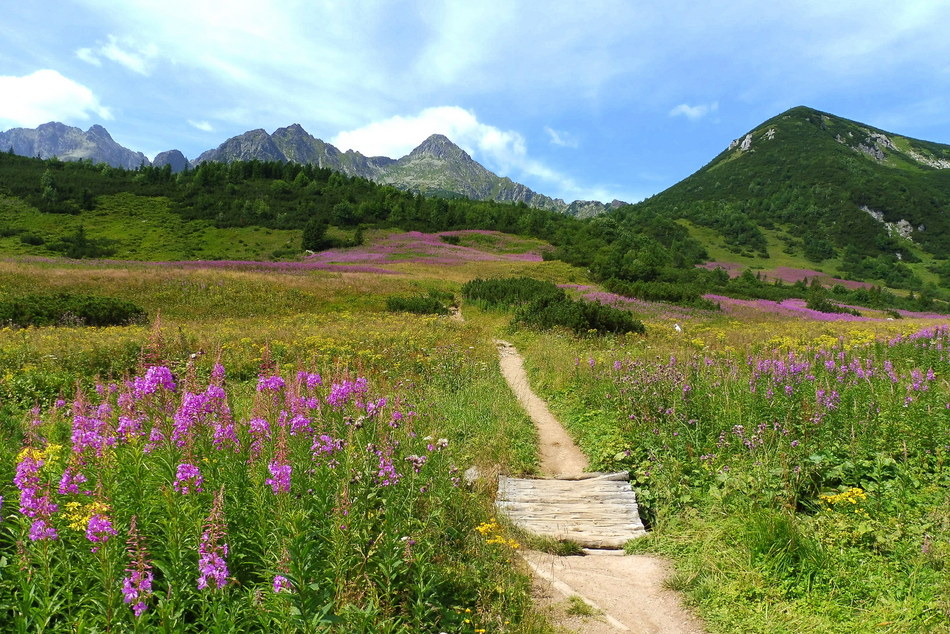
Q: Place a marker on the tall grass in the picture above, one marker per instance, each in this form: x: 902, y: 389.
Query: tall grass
x: 818, y: 470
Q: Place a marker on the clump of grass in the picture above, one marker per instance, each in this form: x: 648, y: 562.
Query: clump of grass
x: 68, y: 309
x: 576, y: 606
x: 432, y: 304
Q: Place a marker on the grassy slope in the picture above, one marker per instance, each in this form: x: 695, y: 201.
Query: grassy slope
x: 141, y: 228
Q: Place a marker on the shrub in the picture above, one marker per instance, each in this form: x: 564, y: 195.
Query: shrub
x: 430, y: 304
x: 580, y: 316
x: 510, y: 291
x: 68, y: 309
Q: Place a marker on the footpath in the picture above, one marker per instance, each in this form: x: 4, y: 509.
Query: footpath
x: 603, y: 591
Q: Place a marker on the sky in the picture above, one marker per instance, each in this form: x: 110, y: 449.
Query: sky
x: 587, y: 100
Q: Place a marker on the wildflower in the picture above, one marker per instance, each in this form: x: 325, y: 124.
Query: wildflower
x: 212, y: 550
x: 188, y: 478
x: 155, y: 377
x: 41, y: 530
x: 281, y: 584
x: 224, y: 433
x: 99, y: 530
x: 280, y: 477
x: 417, y: 462
x: 137, y: 584
x: 70, y: 481
x: 270, y: 383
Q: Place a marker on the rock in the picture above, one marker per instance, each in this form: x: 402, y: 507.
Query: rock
x: 174, y: 158
x: 71, y: 144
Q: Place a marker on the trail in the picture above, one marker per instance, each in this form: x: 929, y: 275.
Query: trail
x: 622, y: 593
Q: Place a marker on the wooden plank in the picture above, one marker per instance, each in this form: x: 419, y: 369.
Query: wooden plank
x: 598, y: 512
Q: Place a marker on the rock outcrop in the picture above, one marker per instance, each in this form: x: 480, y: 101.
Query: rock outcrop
x: 71, y: 144
x: 173, y: 158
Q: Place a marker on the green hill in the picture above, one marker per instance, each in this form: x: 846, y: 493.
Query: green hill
x: 829, y: 189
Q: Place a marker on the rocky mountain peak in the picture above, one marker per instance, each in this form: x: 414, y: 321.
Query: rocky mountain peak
x: 439, y: 146
x: 99, y: 131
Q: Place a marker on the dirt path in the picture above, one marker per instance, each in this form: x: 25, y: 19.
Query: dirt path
x: 604, y: 591
x: 560, y: 457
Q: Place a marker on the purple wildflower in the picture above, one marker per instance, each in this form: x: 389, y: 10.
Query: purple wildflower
x: 188, y: 478
x: 41, y: 530
x: 137, y: 584
x: 280, y: 477
x: 212, y: 550
x: 70, y: 481
x: 281, y: 584
x: 155, y: 377
x: 99, y: 529
x: 270, y: 383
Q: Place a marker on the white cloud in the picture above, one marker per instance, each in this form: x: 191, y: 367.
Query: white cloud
x: 397, y: 136
x: 87, y: 55
x: 44, y: 96
x: 503, y: 151
x: 694, y: 112
x: 126, y: 52
x: 204, y: 126
x: 560, y: 138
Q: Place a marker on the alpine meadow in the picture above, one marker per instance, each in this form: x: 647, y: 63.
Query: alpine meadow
x: 260, y: 391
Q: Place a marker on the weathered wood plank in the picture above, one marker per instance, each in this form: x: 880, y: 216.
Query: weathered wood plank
x: 599, y: 512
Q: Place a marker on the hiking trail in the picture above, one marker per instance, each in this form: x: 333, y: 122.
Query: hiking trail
x: 622, y: 593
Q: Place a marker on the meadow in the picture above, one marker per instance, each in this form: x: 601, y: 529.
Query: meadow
x: 275, y: 450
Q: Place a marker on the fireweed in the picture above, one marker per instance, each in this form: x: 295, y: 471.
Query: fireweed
x: 311, y: 460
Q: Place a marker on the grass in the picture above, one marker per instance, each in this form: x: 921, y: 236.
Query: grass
x: 757, y: 547
x: 766, y: 513
x: 142, y: 228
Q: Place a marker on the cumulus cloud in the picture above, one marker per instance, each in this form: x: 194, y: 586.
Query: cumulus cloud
x: 126, y: 52
x: 398, y: 135
x: 503, y: 151
x: 46, y: 95
x: 204, y: 126
x: 694, y: 112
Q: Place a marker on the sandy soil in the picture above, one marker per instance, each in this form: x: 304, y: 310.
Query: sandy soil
x: 620, y: 593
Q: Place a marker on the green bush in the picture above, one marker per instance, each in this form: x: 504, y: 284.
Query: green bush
x: 68, y: 309
x: 580, y: 316
x: 510, y: 291
x: 420, y: 304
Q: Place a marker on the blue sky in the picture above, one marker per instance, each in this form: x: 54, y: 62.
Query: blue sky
x: 589, y: 100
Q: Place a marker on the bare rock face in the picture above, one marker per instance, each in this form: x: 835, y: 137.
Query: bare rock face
x: 173, y: 158
x: 71, y: 144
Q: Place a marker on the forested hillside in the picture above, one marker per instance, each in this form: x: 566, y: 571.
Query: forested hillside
x: 831, y: 189
x: 275, y: 210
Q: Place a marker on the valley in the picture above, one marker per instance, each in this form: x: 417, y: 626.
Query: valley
x: 274, y: 423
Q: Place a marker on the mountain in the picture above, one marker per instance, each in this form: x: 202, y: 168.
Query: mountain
x: 71, y: 144
x: 436, y: 167
x: 173, y: 158
x: 827, y: 187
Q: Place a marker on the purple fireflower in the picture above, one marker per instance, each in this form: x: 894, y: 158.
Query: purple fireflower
x: 41, y: 530
x: 224, y: 434
x: 70, y: 481
x: 417, y: 462
x: 280, y: 477
x: 137, y: 584
x: 211, y: 552
x: 35, y: 501
x: 270, y: 383
x: 99, y: 530
x: 281, y: 584
x: 155, y: 377
x: 341, y: 393
x: 188, y: 478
